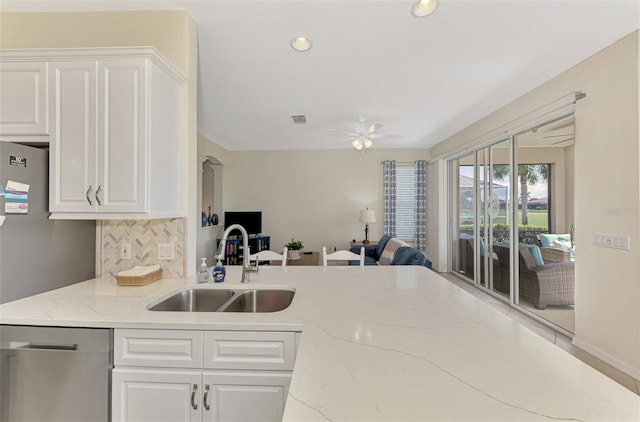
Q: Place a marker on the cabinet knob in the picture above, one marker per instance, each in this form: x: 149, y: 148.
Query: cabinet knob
x: 206, y: 395
x: 86, y: 195
x: 193, y: 397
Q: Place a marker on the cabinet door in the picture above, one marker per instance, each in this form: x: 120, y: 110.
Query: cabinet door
x: 72, y: 184
x: 156, y: 395
x: 23, y: 103
x: 122, y: 141
x: 244, y: 396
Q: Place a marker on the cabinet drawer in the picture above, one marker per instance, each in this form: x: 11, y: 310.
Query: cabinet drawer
x: 158, y: 348
x: 249, y: 350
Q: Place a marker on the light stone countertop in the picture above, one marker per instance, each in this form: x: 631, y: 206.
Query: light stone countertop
x: 378, y: 343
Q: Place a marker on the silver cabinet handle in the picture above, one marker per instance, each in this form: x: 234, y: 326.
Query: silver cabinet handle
x: 86, y: 195
x: 193, y: 397
x: 206, y: 394
x: 97, y: 192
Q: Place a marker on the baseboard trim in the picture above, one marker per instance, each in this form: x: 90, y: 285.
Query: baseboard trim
x: 607, y: 358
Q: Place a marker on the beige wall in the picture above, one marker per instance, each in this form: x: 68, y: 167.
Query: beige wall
x: 312, y: 196
x: 165, y: 30
x: 607, y: 194
x: 173, y: 33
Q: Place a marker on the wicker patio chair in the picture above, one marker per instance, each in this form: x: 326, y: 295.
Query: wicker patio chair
x: 467, y: 264
x: 548, y: 284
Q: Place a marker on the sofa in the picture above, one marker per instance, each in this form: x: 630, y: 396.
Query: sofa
x: 392, y: 251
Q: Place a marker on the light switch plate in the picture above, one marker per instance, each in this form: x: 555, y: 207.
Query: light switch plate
x: 611, y: 241
x: 165, y: 251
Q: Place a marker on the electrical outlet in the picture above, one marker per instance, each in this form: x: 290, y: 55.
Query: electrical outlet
x: 125, y: 251
x: 165, y: 251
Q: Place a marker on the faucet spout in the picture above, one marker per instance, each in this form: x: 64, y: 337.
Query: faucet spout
x: 246, y: 266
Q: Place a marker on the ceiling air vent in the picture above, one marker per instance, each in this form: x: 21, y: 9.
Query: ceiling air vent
x: 299, y: 119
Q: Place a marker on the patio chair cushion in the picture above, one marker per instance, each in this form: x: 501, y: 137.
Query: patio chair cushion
x: 535, y: 253
x: 547, y: 239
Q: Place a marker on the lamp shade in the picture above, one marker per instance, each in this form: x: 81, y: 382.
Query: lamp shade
x: 367, y: 216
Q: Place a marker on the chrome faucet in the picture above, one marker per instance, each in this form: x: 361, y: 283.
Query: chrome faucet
x: 247, y: 269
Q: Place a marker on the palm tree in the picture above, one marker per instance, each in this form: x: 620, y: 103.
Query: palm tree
x: 527, y: 174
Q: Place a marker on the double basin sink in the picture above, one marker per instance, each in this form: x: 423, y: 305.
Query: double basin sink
x: 226, y: 300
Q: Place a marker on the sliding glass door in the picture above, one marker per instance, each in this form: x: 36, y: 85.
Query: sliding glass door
x: 545, y: 186
x: 512, y: 219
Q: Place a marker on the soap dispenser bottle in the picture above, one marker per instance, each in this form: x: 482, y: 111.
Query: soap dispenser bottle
x: 203, y: 272
x: 219, y: 272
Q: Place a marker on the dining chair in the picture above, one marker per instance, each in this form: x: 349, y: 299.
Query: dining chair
x: 268, y: 255
x: 342, y: 255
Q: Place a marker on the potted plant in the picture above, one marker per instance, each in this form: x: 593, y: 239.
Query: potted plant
x: 293, y: 249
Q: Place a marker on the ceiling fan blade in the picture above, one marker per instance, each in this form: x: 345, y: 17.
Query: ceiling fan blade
x: 383, y: 136
x: 373, y: 128
x: 343, y: 133
x: 564, y: 140
x: 557, y: 136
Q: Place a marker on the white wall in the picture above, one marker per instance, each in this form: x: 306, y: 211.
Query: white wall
x: 312, y: 196
x: 607, y: 194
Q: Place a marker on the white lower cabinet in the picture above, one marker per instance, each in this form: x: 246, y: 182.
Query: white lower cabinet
x: 161, y: 395
x: 187, y: 375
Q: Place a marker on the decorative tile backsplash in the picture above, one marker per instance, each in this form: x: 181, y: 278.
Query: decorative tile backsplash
x: 144, y: 237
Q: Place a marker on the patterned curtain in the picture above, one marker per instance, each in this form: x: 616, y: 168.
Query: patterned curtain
x: 389, y: 193
x: 420, y: 172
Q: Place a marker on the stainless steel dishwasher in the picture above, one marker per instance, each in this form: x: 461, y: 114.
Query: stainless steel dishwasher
x: 55, y: 374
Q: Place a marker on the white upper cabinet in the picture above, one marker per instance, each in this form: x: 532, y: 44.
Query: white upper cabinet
x: 23, y: 101
x: 114, y: 119
x: 115, y: 122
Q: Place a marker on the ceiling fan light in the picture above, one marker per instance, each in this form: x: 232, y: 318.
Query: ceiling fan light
x: 424, y: 8
x: 357, y: 144
x: 368, y: 143
x: 300, y: 44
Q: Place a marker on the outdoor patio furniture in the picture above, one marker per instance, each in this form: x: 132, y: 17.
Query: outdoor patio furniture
x: 467, y: 265
x: 547, y: 284
x: 556, y: 247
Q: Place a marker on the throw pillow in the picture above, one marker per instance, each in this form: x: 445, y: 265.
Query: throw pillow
x: 562, y: 244
x: 389, y: 250
x: 535, y: 253
x: 381, y: 244
x: 407, y: 255
x: 546, y: 240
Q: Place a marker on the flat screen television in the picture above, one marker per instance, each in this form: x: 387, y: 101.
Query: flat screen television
x: 250, y: 220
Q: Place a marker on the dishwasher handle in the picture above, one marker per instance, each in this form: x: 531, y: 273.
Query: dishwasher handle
x: 17, y: 345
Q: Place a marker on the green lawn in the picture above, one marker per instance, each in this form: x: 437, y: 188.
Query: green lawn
x: 538, y: 218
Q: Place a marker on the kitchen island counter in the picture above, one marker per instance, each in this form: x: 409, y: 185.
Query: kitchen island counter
x: 378, y: 343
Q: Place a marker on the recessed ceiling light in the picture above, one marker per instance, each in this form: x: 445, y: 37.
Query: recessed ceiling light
x: 300, y: 44
x: 424, y: 7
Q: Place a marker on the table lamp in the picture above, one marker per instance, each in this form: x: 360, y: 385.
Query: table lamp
x: 365, y: 217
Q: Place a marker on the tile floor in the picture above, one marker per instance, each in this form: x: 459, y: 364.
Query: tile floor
x: 549, y: 334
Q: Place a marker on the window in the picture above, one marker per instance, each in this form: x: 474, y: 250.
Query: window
x: 405, y: 202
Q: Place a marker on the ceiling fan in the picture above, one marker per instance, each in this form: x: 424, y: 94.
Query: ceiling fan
x: 362, y: 137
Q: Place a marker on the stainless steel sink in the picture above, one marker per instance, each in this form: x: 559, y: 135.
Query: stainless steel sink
x: 226, y: 300
x: 195, y: 300
x: 260, y: 301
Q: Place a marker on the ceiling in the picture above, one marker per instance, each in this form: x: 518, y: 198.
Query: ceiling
x: 424, y: 78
